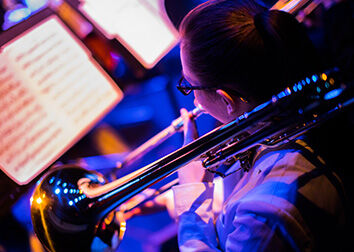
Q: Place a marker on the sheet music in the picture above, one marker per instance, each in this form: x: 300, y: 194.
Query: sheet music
x: 142, y: 26
x: 51, y: 93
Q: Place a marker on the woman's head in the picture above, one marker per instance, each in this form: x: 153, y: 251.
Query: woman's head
x: 239, y: 45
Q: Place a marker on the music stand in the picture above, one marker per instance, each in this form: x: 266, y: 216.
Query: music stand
x: 52, y: 93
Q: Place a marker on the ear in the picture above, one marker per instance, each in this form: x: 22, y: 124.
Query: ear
x: 228, y: 100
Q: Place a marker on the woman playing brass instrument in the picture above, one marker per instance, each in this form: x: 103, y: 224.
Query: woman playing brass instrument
x: 235, y: 55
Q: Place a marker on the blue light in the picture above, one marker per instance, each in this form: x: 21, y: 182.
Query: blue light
x: 59, y: 181
x: 57, y: 191
x: 281, y: 94
x: 71, y: 203
x: 314, y: 78
x: 259, y: 107
x: 308, y: 80
x: 299, y: 87
x: 18, y: 15
x: 64, y: 184
x: 318, y: 90
x: 303, y: 82
x: 295, y: 88
x: 51, y: 180
x: 65, y: 190
x: 76, y: 200
x: 333, y: 94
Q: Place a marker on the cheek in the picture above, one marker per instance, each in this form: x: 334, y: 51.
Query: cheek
x: 212, y: 105
x: 202, y: 99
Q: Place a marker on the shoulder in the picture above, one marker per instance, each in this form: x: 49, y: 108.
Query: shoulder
x: 289, y: 188
x: 295, y: 171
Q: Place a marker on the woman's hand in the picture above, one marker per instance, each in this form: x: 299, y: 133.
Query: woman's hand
x: 194, y: 171
x: 189, y: 127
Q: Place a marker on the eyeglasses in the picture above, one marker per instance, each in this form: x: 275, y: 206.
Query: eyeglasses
x: 186, y: 88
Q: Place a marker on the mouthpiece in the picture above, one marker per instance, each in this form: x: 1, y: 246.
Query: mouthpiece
x: 178, y: 123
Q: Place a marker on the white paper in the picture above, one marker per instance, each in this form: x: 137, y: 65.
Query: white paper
x: 51, y: 94
x: 142, y: 26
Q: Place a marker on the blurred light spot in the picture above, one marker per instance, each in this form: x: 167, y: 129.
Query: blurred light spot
x: 324, y: 77
x: 281, y: 94
x: 35, y: 4
x: 333, y: 94
x: 108, y: 140
x: 18, y: 15
x: 288, y: 91
x: 259, y: 107
x: 39, y: 200
x: 314, y: 78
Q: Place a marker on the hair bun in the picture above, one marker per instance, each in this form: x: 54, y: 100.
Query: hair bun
x: 259, y: 20
x: 264, y: 25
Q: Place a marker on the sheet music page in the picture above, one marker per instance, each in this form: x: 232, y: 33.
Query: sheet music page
x: 51, y: 94
x: 142, y: 26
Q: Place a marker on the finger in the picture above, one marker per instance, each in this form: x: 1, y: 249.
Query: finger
x: 189, y: 127
x: 184, y: 114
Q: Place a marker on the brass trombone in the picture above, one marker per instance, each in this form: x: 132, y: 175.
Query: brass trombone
x: 65, y: 218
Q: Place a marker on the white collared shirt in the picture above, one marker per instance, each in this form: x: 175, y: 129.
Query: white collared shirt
x: 276, y: 206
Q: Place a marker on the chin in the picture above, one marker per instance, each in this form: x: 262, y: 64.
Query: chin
x: 223, y: 120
